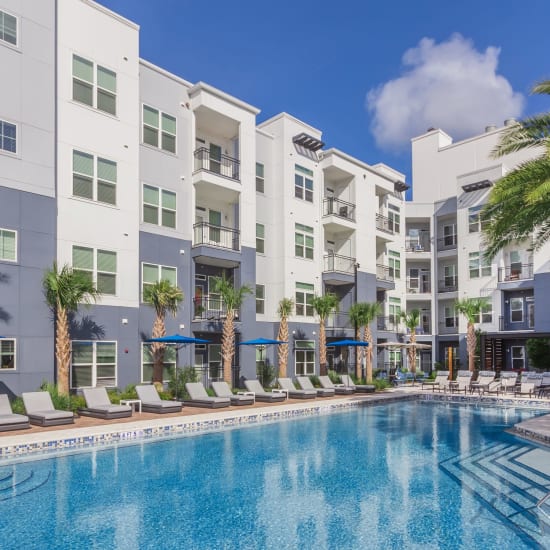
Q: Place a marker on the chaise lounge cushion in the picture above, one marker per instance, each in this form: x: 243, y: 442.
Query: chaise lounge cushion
x: 199, y: 397
x: 359, y: 388
x: 9, y: 420
x: 222, y: 389
x: 98, y: 405
x: 41, y: 411
x: 305, y: 384
x: 339, y: 389
x: 287, y: 384
x: 151, y: 401
x: 261, y: 394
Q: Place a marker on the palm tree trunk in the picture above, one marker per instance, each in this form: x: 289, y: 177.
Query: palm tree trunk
x: 62, y: 350
x: 322, y: 347
x: 471, y: 342
x: 157, y: 348
x: 412, y: 352
x: 228, y: 346
x: 282, y: 351
x: 357, y: 354
x: 369, y: 351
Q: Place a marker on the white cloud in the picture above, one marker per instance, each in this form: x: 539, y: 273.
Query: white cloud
x: 450, y: 85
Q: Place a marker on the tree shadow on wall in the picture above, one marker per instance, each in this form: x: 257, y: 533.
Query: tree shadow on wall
x: 4, y: 315
x: 85, y: 329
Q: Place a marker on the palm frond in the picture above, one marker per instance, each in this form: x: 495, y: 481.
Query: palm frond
x: 531, y: 132
x: 541, y: 88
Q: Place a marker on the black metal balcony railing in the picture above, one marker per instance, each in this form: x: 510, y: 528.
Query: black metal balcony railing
x: 384, y: 273
x: 337, y: 262
x: 515, y: 272
x: 447, y: 243
x: 384, y: 224
x: 418, y: 244
x: 449, y: 284
x: 338, y: 320
x: 205, y: 233
x: 390, y: 323
x: 222, y: 165
x: 336, y: 207
x: 210, y: 307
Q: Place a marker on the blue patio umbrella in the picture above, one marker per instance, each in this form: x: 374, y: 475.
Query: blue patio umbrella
x: 178, y: 341
x: 262, y: 342
x: 348, y: 343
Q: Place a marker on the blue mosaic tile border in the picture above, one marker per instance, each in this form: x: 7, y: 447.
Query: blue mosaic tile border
x: 486, y: 400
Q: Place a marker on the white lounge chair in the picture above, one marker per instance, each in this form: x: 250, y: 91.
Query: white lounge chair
x: 508, y: 381
x: 462, y: 382
x: 484, y: 378
x: 339, y: 389
x: 41, y: 411
x: 8, y: 419
x: 305, y: 384
x: 440, y: 382
x: 359, y: 388
x: 151, y: 401
x: 199, y: 397
x: 222, y: 389
x: 261, y: 394
x: 293, y: 392
x: 98, y: 405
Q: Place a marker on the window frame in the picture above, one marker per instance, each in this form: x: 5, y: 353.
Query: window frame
x: 3, y: 137
x: 302, y: 190
x: 94, y: 364
x: 309, y: 357
x: 394, y: 264
x: 160, y: 207
x: 260, y: 300
x: 394, y: 311
x: 95, y: 272
x: 394, y: 219
x: 475, y: 225
x: 478, y: 264
x: 159, y: 268
x: 6, y: 259
x: 260, y: 238
x: 260, y: 179
x: 96, y: 181
x: 520, y: 300
x: 450, y: 314
x: 160, y: 131
x: 303, y: 304
x: 167, y: 368
x: 13, y: 355
x: 304, y: 233
x: 3, y: 32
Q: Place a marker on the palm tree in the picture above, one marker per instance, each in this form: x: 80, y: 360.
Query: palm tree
x: 411, y: 321
x: 471, y: 308
x: 286, y: 306
x: 357, y: 317
x: 65, y: 289
x: 233, y: 299
x: 372, y: 311
x: 165, y: 298
x: 324, y: 306
x: 519, y: 204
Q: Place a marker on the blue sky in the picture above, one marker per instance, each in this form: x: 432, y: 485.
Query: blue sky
x: 370, y: 74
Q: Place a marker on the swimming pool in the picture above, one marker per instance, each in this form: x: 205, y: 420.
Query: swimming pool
x: 403, y: 475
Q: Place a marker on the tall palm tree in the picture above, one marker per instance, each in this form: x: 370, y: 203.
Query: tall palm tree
x: 519, y: 203
x: 324, y: 306
x: 165, y: 298
x: 232, y: 298
x: 411, y: 320
x: 372, y: 311
x: 471, y: 308
x: 65, y: 289
x: 357, y: 317
x: 286, y: 306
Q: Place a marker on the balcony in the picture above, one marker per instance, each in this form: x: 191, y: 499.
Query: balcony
x: 336, y: 207
x: 338, y: 321
x: 222, y: 165
x: 208, y: 234
x: 447, y: 243
x: 337, y: 262
x: 449, y: 284
x: 418, y: 244
x: 210, y: 307
x: 388, y: 324
x: 419, y: 287
x: 384, y: 224
x: 515, y: 272
x: 384, y: 273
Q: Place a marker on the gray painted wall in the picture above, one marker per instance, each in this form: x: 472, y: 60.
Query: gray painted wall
x: 542, y: 312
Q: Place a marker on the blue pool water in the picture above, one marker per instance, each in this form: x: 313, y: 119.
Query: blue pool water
x: 404, y: 475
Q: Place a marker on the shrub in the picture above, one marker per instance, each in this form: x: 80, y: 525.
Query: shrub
x: 538, y: 351
x: 315, y: 380
x: 17, y: 406
x: 266, y: 373
x: 381, y: 383
x: 334, y: 377
x: 62, y: 401
x: 187, y: 374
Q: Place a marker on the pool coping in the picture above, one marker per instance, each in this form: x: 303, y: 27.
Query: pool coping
x: 103, y: 435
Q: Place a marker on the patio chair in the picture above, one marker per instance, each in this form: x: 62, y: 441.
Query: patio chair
x: 339, y: 389
x: 484, y: 378
x: 359, y: 388
x: 199, y: 397
x: 152, y: 403
x: 293, y: 392
x: 544, y: 387
x: 98, y: 405
x: 305, y: 384
x: 526, y: 388
x: 8, y: 419
x: 262, y: 395
x: 440, y: 382
x: 508, y: 381
x: 462, y: 382
x: 530, y: 384
x: 222, y: 389
x: 41, y: 411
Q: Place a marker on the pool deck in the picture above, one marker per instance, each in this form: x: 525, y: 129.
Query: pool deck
x: 88, y: 431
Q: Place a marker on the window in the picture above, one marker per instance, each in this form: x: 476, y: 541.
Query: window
x: 479, y: 266
x: 303, y: 241
x: 159, y: 206
x: 474, y: 219
x: 8, y: 137
x: 94, y: 178
x: 93, y: 364
x: 94, y: 85
x: 518, y: 357
x: 450, y: 280
x: 260, y: 238
x: 486, y: 314
x: 395, y: 312
x: 394, y: 219
x: 451, y: 318
x: 260, y: 187
x: 304, y: 357
x: 152, y: 274
x: 8, y: 245
x: 449, y: 235
x: 100, y: 265
x: 147, y: 362
x: 394, y: 264
x: 304, y: 299
x: 516, y: 310
x: 530, y: 312
x: 260, y: 299
x: 515, y: 265
x: 8, y: 28
x: 303, y: 183
x: 7, y: 354
x: 159, y: 129
x: 414, y: 279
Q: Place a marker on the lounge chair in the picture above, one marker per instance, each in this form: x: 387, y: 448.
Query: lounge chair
x: 8, y: 419
x: 199, y: 397
x: 530, y: 384
x: 440, y: 382
x: 151, y: 401
x: 462, y: 382
x: 484, y: 378
x: 293, y: 392
x: 359, y: 388
x: 526, y: 388
x: 261, y: 394
x: 508, y: 381
x: 41, y: 411
x: 305, y: 384
x: 339, y: 389
x: 222, y: 389
x: 99, y: 405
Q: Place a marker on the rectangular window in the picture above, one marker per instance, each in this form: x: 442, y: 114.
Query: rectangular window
x: 451, y: 318
x: 8, y: 137
x: 99, y: 265
x: 159, y: 129
x: 414, y: 279
x: 304, y: 357
x: 94, y: 178
x: 152, y: 274
x: 486, y: 314
x: 7, y: 354
x: 303, y: 241
x: 93, y: 364
x: 450, y: 279
x: 304, y: 299
x: 260, y: 238
x: 394, y: 219
x: 449, y: 235
x: 394, y: 264
x: 518, y: 357
x: 260, y: 181
x: 260, y: 299
x: 479, y: 266
x: 159, y: 206
x: 395, y: 312
x: 94, y: 85
x: 8, y: 28
x: 474, y: 219
x: 303, y: 183
x: 516, y: 310
x: 168, y: 364
x: 8, y: 245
